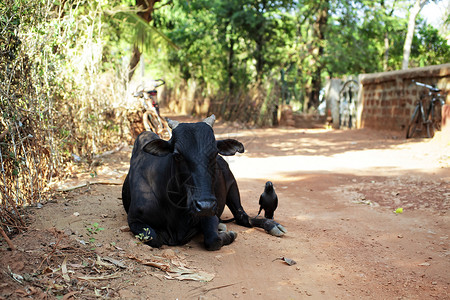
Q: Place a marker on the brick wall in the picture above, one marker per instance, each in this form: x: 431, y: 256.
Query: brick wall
x: 387, y: 100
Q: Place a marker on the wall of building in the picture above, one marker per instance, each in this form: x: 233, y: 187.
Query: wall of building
x: 387, y: 99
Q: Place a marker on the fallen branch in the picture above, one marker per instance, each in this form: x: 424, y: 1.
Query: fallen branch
x: 64, y: 270
x: 103, y: 277
x: 51, y: 253
x: 87, y: 183
x: 10, y: 244
x: 70, y: 295
x: 15, y: 226
x: 106, y: 153
x: 114, y: 261
x: 175, y: 272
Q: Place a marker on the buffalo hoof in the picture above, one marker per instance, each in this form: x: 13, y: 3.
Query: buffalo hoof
x: 224, y: 238
x: 228, y: 237
x: 233, y: 235
x: 222, y: 227
x: 278, y: 230
x: 154, y: 244
x: 274, y: 228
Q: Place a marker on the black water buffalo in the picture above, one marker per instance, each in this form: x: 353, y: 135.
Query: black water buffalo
x: 178, y: 188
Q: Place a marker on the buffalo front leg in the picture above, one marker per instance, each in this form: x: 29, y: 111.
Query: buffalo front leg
x: 213, y: 239
x: 145, y: 234
x: 235, y: 206
x: 270, y: 226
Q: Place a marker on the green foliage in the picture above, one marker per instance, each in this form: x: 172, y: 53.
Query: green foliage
x: 429, y: 48
x: 228, y: 46
x: 92, y: 230
x: 137, y: 30
x: 144, y: 236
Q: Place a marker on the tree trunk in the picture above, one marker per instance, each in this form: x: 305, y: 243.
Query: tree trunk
x: 319, y: 30
x: 147, y: 7
x: 260, y: 43
x: 386, y: 52
x: 386, y: 33
x: 135, y: 58
x: 418, y: 5
x: 230, y: 63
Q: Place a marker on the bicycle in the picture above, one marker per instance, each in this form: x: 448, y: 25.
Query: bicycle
x: 429, y: 117
x: 152, y: 119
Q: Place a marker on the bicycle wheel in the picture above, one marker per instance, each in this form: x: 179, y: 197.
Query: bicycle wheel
x: 434, y: 119
x: 156, y: 124
x: 166, y: 131
x: 437, y: 116
x: 415, y: 124
x: 430, y: 127
x: 149, y: 123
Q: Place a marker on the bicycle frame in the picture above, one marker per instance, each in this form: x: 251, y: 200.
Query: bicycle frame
x: 425, y: 116
x: 152, y: 119
x: 151, y: 102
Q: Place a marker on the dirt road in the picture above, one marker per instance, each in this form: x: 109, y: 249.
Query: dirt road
x: 337, y: 194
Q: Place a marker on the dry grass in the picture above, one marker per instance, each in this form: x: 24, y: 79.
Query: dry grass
x: 54, y: 100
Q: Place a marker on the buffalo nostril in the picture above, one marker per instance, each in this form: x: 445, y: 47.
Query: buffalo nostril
x: 198, y: 206
x: 205, y: 207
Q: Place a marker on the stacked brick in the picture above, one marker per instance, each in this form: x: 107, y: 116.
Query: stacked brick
x: 388, y: 99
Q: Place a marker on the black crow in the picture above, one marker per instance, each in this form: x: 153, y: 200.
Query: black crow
x: 268, y: 201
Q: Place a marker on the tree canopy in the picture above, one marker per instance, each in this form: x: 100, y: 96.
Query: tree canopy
x: 230, y: 45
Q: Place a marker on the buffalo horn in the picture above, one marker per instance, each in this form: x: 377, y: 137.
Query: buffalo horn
x: 172, y: 123
x: 210, y: 120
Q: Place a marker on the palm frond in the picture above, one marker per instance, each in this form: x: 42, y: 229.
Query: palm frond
x: 145, y: 36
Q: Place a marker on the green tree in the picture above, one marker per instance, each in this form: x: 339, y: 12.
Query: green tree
x: 230, y: 45
x: 428, y: 47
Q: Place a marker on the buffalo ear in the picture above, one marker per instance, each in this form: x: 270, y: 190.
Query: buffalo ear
x: 229, y: 147
x: 158, y: 147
